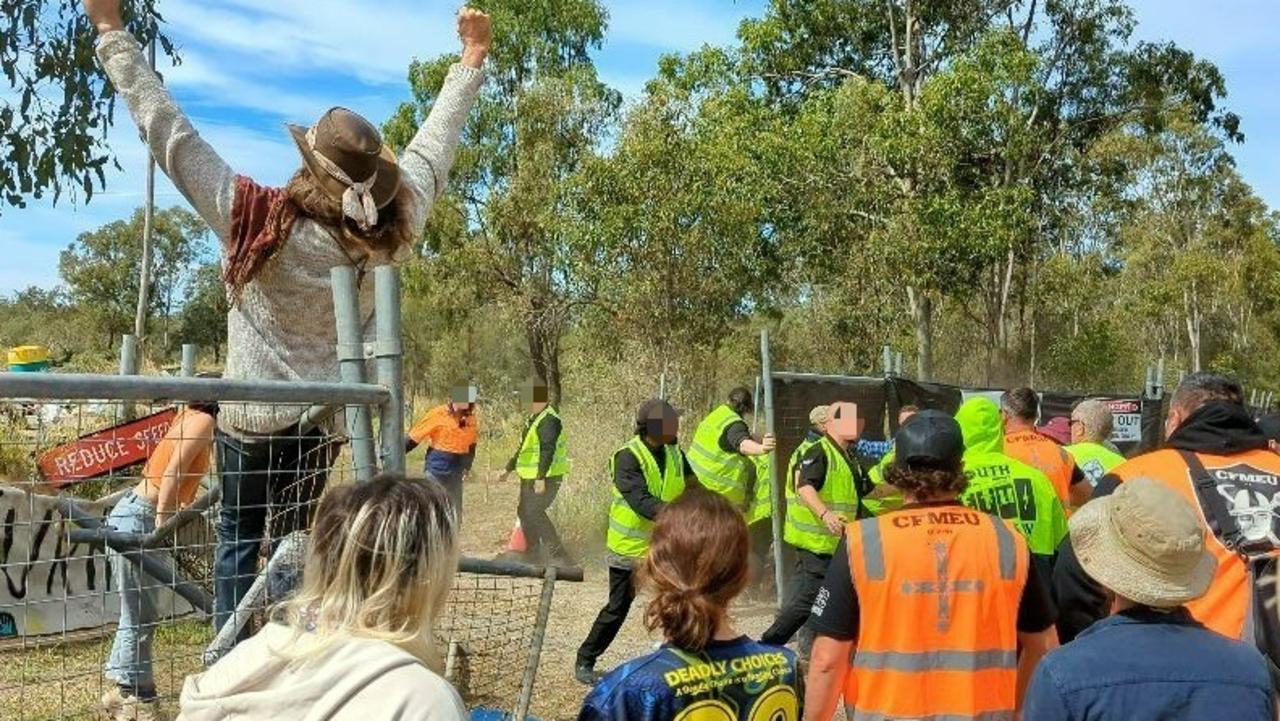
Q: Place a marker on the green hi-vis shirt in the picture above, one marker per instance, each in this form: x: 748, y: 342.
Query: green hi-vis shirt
x: 877, y: 504
x: 1094, y: 459
x: 1019, y: 494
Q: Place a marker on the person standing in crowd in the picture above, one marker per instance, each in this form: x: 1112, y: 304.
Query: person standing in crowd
x: 1091, y: 424
x: 358, y: 640
x: 450, y: 431
x: 1216, y: 458
x: 352, y: 203
x: 722, y: 446
x: 823, y: 502
x: 937, y: 605
x: 1020, y: 409
x: 1008, y: 488
x: 695, y: 567
x: 543, y: 459
x: 1149, y: 660
x: 170, y: 480
x: 884, y: 498
x: 648, y: 472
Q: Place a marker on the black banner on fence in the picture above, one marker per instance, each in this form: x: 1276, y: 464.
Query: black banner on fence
x: 795, y: 394
x: 1138, y: 422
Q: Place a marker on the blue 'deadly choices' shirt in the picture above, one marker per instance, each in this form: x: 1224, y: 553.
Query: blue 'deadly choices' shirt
x: 738, y: 680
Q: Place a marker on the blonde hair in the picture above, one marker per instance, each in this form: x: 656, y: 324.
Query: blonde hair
x: 380, y: 564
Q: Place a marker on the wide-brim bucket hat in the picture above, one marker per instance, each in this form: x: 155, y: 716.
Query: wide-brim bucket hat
x: 1145, y: 543
x: 343, y: 149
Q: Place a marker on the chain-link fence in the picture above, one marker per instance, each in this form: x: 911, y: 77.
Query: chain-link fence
x: 106, y: 583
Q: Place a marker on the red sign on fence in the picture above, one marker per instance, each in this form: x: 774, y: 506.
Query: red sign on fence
x: 107, y: 450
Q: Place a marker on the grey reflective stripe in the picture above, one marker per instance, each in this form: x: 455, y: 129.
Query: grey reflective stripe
x: 798, y: 503
x: 984, y: 716
x: 1008, y: 550
x: 702, y: 471
x: 808, y: 527
x: 628, y: 532
x: 734, y: 459
x: 872, y: 549
x: 936, y: 660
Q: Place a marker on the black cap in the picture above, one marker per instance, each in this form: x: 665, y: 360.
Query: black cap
x: 655, y: 409
x: 929, y: 439
x: 1270, y: 426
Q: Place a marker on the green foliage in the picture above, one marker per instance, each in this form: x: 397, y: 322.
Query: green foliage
x: 203, y: 316
x: 56, y: 109
x: 101, y: 268
x: 542, y: 112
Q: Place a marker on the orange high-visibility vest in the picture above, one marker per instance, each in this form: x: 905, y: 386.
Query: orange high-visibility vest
x: 938, y: 591
x: 1042, y: 452
x: 1228, y: 606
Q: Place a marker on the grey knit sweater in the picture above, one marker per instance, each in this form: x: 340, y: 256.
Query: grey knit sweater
x: 282, y: 328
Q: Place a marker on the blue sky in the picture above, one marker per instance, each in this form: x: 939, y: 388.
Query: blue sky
x: 248, y: 67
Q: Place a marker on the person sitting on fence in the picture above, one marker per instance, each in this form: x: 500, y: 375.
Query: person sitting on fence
x: 695, y: 567
x: 352, y: 203
x: 450, y: 431
x: 357, y: 640
x: 170, y: 480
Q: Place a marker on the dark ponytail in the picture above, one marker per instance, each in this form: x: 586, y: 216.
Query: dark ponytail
x: 697, y: 564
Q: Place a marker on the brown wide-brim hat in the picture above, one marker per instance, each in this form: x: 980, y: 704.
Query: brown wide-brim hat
x: 353, y: 144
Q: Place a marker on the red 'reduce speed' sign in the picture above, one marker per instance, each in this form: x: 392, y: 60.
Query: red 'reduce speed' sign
x: 107, y: 450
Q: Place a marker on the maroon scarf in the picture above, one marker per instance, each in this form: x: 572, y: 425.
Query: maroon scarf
x: 261, y: 220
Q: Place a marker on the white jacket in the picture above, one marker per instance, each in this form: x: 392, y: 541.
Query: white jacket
x: 355, y: 680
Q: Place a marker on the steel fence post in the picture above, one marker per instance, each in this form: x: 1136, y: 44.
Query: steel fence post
x: 775, y: 480
x: 390, y: 362
x: 535, y: 645
x: 346, y: 310
x: 188, y: 360
x: 128, y: 367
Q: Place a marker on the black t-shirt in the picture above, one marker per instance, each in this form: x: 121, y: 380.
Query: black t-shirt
x: 1077, y: 475
x: 813, y: 468
x: 733, y: 436
x: 835, y: 611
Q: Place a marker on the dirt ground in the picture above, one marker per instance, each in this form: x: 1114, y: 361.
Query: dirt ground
x: 557, y: 695
x: 63, y: 680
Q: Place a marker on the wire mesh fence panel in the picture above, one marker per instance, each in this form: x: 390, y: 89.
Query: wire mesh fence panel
x: 130, y: 530
x: 485, y: 635
x: 108, y: 583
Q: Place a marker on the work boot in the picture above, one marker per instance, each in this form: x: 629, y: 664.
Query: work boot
x: 586, y: 673
x: 122, y: 706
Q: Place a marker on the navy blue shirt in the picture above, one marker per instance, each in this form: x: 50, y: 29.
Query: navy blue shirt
x: 739, y: 679
x: 1144, y: 665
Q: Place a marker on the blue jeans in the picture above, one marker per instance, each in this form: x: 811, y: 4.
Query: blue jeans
x: 129, y: 664
x: 284, y: 474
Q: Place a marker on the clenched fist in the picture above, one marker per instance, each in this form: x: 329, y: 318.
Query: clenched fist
x: 104, y: 14
x: 476, y: 30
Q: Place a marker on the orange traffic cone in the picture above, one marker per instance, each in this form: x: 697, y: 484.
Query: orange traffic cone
x: 517, y: 544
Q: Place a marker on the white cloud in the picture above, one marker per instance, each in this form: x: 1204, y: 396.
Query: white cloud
x: 198, y: 78
x: 372, y: 42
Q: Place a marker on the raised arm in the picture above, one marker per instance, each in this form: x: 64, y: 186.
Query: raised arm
x: 429, y: 158
x: 202, y: 177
